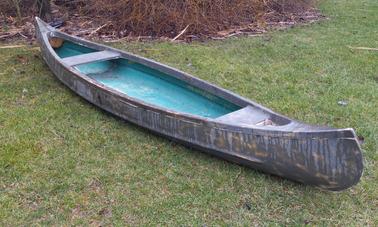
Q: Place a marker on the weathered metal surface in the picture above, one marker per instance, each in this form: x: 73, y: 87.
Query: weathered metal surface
x: 248, y: 116
x: 91, y: 57
x: 320, y: 156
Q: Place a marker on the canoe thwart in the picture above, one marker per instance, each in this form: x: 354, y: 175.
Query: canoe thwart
x: 91, y: 57
x: 246, y: 116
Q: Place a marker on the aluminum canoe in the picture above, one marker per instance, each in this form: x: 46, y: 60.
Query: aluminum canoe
x: 252, y: 135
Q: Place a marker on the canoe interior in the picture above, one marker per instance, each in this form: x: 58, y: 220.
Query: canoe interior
x: 69, y: 49
x: 149, y: 85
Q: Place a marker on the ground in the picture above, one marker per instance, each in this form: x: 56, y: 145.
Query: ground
x: 64, y: 161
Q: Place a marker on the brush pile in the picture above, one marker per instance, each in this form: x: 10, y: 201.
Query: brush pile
x: 174, y: 19
x: 200, y: 17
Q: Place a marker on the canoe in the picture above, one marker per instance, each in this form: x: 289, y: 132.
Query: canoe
x: 201, y: 115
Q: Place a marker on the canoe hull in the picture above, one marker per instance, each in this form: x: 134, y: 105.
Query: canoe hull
x: 330, y: 160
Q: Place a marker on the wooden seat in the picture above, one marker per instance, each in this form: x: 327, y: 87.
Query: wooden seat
x: 246, y: 116
x: 91, y: 57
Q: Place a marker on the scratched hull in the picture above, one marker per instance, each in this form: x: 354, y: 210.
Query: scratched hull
x: 319, y: 156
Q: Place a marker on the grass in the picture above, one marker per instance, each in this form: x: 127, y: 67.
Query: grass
x: 64, y: 161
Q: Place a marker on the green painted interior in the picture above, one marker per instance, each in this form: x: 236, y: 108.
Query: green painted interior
x: 69, y: 49
x: 149, y: 85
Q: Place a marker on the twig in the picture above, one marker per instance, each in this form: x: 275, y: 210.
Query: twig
x: 7, y: 35
x: 363, y: 48
x: 217, y: 38
x: 98, y: 29
x: 237, y: 176
x: 18, y: 46
x: 181, y: 33
x: 233, y: 34
x: 116, y: 40
x: 254, y: 35
x: 22, y: 35
x: 10, y: 47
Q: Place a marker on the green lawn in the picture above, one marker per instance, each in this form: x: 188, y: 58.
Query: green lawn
x: 64, y: 161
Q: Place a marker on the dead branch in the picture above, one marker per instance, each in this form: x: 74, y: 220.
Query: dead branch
x: 181, y: 33
x: 19, y: 46
x: 11, y: 47
x: 98, y: 29
x: 363, y: 48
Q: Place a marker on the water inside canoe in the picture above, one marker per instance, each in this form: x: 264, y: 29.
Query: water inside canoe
x: 149, y: 85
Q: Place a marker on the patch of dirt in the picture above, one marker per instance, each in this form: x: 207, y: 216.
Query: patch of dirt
x: 78, y: 213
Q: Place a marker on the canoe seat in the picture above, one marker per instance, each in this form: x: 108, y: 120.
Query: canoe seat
x: 91, y: 57
x: 246, y: 116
